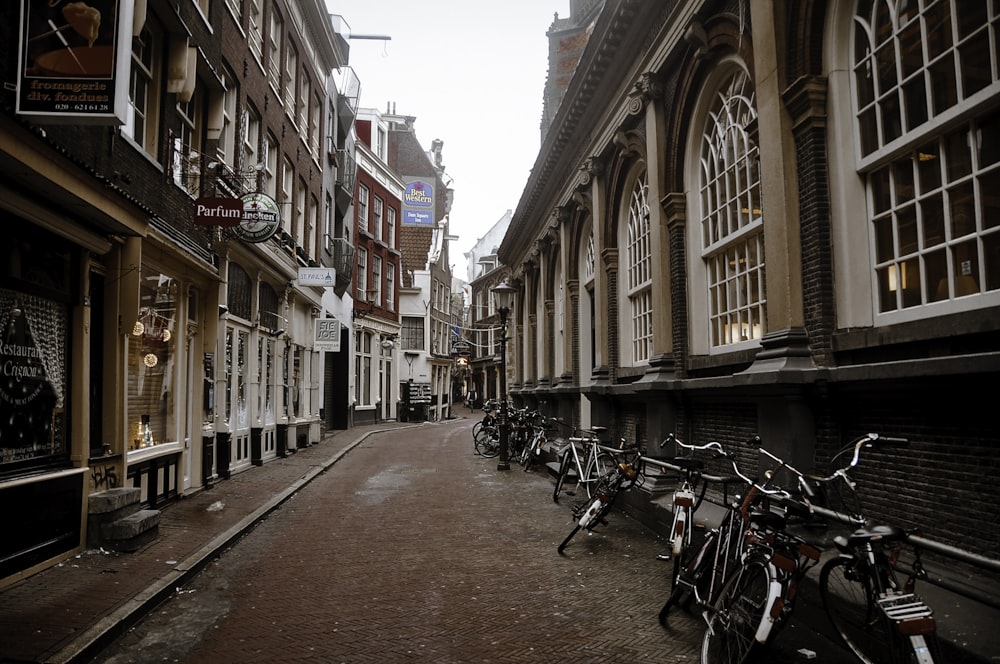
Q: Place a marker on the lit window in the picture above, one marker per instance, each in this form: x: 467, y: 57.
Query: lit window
x: 932, y: 210
x: 638, y: 274
x: 732, y: 230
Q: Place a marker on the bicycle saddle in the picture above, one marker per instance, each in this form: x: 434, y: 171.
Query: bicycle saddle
x: 686, y: 463
x: 862, y: 535
x: 768, y: 520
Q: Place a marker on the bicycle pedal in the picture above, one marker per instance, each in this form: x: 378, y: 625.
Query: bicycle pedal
x: 664, y: 556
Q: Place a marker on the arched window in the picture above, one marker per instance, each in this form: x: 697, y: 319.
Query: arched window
x: 638, y: 279
x: 925, y: 81
x: 732, y: 228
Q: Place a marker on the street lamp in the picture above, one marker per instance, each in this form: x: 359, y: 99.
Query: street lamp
x: 503, y: 296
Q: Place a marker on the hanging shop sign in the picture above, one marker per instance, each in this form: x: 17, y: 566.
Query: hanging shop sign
x: 227, y: 212
x: 317, y: 276
x: 327, y: 337
x: 74, y: 60
x: 261, y: 218
x: 418, y: 202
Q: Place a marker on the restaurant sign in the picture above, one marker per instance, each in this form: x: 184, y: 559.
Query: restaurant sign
x: 74, y: 61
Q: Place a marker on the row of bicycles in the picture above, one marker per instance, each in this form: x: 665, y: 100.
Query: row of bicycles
x: 526, y: 437
x: 742, y: 577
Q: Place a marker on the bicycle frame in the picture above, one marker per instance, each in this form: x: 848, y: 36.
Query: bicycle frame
x: 592, y: 449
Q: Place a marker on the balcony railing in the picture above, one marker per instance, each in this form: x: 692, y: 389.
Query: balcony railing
x: 343, y: 259
x: 350, y: 95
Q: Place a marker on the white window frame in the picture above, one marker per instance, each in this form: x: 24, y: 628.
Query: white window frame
x: 638, y: 282
x: 729, y: 298
x: 932, y: 242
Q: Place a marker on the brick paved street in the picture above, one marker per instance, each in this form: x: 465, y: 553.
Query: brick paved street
x: 412, y: 548
x: 383, y: 543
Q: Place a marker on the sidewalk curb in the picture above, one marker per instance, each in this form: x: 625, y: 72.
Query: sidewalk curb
x: 89, y: 642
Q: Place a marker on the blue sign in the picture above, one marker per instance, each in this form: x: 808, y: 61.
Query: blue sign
x: 418, y: 203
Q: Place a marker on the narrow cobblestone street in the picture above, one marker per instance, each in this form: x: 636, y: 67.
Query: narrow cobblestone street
x: 411, y: 548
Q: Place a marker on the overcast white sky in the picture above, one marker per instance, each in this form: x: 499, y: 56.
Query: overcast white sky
x: 472, y: 74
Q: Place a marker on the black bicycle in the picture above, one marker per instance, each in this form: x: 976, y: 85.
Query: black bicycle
x: 624, y: 475
x: 877, y: 615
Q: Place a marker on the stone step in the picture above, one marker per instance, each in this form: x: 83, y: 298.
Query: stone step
x: 113, y: 500
x: 132, y: 532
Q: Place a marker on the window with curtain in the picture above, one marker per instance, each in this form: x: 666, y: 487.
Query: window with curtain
x: 732, y: 227
x: 925, y: 81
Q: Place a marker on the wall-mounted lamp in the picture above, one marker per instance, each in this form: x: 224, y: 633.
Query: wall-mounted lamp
x: 279, y: 326
x: 371, y: 297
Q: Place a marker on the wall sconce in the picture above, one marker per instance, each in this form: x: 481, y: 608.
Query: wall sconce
x: 371, y: 296
x: 279, y: 327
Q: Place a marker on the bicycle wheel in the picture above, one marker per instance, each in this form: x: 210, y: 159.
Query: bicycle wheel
x: 603, y: 465
x: 739, y: 611
x: 850, y: 605
x: 529, y: 452
x: 564, y: 466
x: 488, y: 442
x: 692, y: 575
x: 563, y: 544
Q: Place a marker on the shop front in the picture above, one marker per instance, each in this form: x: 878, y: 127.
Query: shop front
x: 40, y: 491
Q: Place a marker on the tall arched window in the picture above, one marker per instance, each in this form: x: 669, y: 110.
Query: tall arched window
x: 732, y: 227
x: 925, y: 80
x: 638, y: 279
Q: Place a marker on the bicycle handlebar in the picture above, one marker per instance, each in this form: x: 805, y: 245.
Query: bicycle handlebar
x: 713, y: 445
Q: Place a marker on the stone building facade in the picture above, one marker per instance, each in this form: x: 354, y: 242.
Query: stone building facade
x: 777, y: 218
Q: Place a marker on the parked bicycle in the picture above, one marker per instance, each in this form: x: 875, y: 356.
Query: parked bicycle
x: 486, y: 432
x: 686, y: 500
x: 533, y: 450
x: 702, y: 570
x: 878, y: 617
x: 626, y: 472
x: 755, y: 602
x: 582, y: 462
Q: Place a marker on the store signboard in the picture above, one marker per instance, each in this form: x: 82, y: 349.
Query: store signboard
x: 74, y: 60
x: 327, y: 335
x: 418, y: 202
x: 261, y: 218
x: 317, y: 276
x: 225, y: 212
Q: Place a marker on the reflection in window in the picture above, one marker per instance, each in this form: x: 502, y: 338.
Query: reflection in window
x: 933, y: 208
x: 151, y: 353
x: 732, y: 216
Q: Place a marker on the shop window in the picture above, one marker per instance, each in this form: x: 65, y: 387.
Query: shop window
x: 151, y: 361
x: 34, y: 320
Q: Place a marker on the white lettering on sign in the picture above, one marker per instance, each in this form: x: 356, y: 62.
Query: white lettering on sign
x: 327, y: 335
